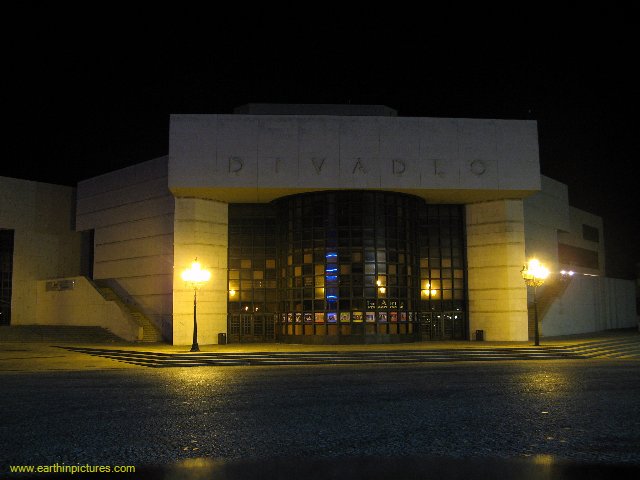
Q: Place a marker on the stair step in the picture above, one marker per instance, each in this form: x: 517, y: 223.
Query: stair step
x: 57, y: 333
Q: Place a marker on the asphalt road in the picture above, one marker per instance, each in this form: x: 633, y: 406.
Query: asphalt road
x: 585, y: 411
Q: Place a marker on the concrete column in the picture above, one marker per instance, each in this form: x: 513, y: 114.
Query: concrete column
x: 200, y: 230
x: 495, y: 255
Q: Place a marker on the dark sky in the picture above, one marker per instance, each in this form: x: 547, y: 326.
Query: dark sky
x: 90, y: 96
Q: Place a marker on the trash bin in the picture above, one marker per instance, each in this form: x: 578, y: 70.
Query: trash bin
x: 222, y: 339
x: 479, y: 335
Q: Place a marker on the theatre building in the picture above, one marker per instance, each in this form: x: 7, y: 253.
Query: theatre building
x: 319, y: 224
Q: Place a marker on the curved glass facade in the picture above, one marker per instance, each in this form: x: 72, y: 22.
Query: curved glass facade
x: 346, y: 266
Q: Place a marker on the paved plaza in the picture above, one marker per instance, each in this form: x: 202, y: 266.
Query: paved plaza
x: 517, y: 417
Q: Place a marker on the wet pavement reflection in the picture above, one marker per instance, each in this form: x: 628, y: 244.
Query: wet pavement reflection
x: 542, y: 467
x: 537, y: 419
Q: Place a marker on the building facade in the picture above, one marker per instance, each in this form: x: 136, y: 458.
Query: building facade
x: 332, y: 224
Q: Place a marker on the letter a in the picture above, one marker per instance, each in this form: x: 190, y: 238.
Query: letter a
x: 359, y: 166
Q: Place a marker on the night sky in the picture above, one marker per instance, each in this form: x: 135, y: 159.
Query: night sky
x: 87, y: 97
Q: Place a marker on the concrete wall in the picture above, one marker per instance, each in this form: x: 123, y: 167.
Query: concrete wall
x: 574, y: 237
x: 550, y: 220
x: 495, y: 254
x: 45, y: 243
x: 131, y: 211
x: 545, y: 213
x: 591, y: 304
x: 256, y: 158
x: 83, y: 305
x: 201, y: 230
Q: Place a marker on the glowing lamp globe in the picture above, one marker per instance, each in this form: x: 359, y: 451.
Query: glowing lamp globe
x: 196, y: 274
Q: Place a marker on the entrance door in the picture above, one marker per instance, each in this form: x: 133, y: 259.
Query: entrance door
x: 425, y: 325
x: 442, y: 326
x: 247, y: 328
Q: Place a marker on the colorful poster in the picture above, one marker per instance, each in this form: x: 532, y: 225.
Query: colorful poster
x: 298, y: 317
x: 393, y: 316
x: 403, y: 316
x: 345, y: 317
x: 289, y: 317
x: 308, y: 317
x: 357, y: 316
x: 319, y: 317
x: 332, y: 317
x: 382, y: 316
x: 371, y: 317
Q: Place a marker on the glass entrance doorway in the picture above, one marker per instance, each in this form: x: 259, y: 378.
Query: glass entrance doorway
x: 442, y: 326
x: 251, y: 328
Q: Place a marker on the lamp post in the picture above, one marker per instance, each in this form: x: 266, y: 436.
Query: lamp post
x: 534, y: 275
x: 196, y: 277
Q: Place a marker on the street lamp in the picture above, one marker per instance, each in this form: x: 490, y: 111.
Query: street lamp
x: 534, y: 275
x: 196, y: 277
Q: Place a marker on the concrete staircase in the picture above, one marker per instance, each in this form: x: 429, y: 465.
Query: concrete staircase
x: 401, y: 356
x: 622, y: 347
x: 150, y: 333
x: 57, y: 334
